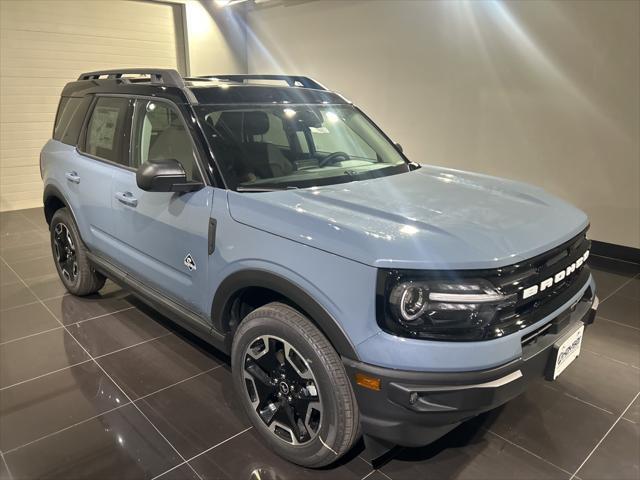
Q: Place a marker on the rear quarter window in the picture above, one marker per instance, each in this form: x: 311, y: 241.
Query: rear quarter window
x: 69, y: 119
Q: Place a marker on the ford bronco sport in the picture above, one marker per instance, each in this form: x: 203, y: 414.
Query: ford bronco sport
x: 357, y: 292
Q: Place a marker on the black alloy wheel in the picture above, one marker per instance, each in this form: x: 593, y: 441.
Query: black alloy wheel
x: 282, y: 389
x: 65, y: 252
x: 71, y: 256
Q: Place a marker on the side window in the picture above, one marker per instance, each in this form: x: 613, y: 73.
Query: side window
x: 160, y: 134
x: 69, y: 119
x: 107, y: 132
x: 62, y: 117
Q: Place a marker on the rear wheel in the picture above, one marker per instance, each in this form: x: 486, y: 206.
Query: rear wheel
x: 70, y: 256
x: 293, y: 386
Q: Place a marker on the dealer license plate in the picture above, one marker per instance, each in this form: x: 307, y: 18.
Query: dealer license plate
x: 568, y: 351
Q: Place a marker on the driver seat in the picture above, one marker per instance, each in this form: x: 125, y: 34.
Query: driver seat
x: 267, y: 159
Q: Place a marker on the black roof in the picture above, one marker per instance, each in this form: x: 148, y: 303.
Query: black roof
x: 210, y: 89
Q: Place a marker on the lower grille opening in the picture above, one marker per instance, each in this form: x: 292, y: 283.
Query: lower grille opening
x: 556, y: 325
x: 533, y: 336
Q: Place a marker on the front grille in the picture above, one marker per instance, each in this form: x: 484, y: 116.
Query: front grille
x: 516, y: 278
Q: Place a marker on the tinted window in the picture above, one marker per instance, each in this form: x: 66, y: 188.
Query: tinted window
x: 60, y: 118
x: 107, y: 132
x: 160, y: 134
x: 71, y: 113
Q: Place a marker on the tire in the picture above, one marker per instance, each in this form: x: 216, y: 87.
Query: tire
x: 328, y: 437
x: 77, y: 274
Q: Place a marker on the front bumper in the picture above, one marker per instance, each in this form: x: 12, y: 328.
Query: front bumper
x: 415, y: 408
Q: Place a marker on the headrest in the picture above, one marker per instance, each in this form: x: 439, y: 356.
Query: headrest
x: 256, y: 123
x: 230, y: 122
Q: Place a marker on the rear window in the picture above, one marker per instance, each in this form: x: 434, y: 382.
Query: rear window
x: 107, y: 134
x: 71, y: 113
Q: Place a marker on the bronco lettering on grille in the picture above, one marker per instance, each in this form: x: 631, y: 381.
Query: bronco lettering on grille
x: 557, y: 278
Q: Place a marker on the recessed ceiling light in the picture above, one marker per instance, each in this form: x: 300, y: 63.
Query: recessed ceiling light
x: 227, y: 3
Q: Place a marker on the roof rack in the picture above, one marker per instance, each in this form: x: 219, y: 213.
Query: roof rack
x: 158, y: 76
x: 171, y: 78
x: 292, y: 80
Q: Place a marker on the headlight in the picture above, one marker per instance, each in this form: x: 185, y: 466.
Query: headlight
x: 409, y: 300
x: 439, y: 309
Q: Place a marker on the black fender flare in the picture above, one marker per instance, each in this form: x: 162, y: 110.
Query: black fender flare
x: 53, y: 191
x: 265, y: 279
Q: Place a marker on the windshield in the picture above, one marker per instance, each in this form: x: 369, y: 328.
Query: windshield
x: 296, y: 146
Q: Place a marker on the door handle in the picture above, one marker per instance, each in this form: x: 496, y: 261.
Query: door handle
x: 73, y: 177
x: 127, y: 198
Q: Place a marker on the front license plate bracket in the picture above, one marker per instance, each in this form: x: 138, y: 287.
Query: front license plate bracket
x: 564, y: 352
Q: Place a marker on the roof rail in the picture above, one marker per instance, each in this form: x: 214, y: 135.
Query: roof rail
x: 161, y: 76
x: 292, y: 80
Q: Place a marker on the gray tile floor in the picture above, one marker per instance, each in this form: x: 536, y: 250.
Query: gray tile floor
x: 105, y: 387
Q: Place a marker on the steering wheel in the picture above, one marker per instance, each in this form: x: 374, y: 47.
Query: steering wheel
x: 333, y: 158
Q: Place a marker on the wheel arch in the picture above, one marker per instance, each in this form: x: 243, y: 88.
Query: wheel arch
x: 273, y: 287
x: 53, y: 200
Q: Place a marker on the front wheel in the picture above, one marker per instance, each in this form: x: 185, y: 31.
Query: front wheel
x: 293, y: 386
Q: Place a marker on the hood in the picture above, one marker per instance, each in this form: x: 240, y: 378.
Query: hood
x: 430, y: 218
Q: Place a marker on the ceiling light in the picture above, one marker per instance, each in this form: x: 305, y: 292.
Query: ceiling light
x: 227, y: 3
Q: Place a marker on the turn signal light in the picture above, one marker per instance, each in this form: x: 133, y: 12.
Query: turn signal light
x: 366, y: 381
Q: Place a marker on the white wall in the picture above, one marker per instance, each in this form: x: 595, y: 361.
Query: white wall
x: 216, y: 38
x: 545, y: 92
x: 46, y: 43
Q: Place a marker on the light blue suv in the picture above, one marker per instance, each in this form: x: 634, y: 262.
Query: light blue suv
x: 357, y: 292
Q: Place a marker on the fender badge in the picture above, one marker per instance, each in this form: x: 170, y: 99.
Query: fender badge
x: 189, y: 262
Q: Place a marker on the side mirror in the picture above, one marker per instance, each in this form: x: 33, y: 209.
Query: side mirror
x: 398, y: 146
x: 164, y: 176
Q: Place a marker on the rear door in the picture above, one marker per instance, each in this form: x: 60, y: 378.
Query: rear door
x: 102, y: 150
x: 164, y: 235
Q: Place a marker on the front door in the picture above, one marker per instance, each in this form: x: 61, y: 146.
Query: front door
x: 163, y: 234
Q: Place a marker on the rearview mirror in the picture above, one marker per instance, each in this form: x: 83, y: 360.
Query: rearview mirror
x: 164, y: 176
x: 398, y: 146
